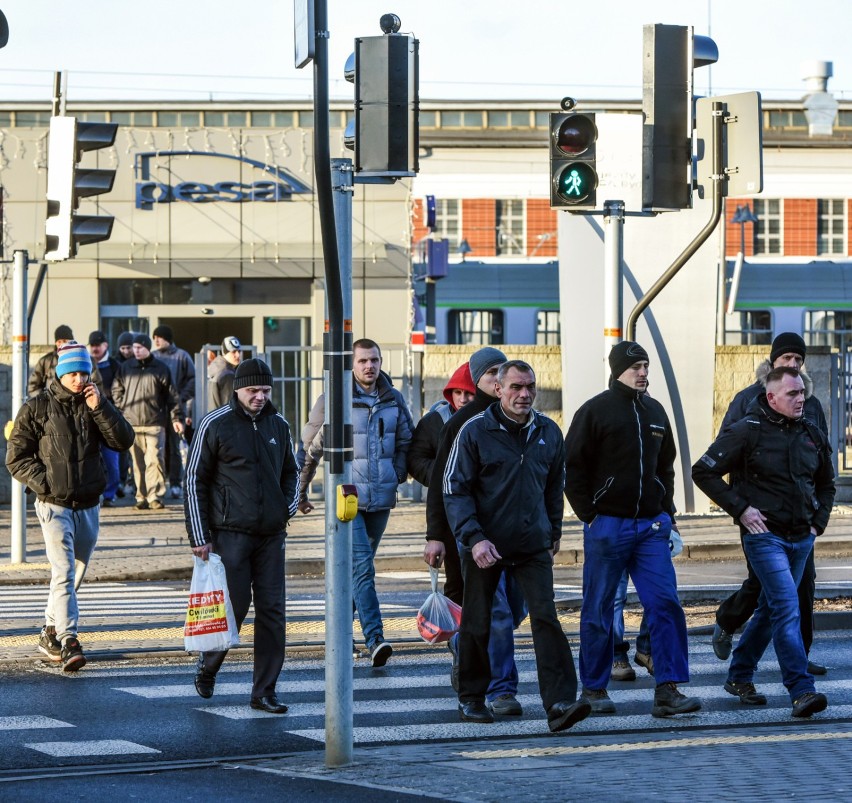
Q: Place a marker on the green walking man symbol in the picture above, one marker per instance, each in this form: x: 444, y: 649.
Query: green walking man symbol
x: 574, y: 184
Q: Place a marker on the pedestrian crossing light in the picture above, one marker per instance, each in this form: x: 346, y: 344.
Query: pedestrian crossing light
x: 67, y: 183
x: 573, y: 155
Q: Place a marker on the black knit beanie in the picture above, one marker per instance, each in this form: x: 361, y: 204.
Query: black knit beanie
x: 252, y: 373
x: 787, y: 343
x: 623, y: 355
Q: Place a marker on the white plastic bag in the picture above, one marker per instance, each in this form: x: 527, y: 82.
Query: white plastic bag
x: 210, y: 624
x: 439, y: 617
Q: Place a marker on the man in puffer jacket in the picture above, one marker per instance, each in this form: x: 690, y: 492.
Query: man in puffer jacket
x: 382, y: 427
x: 55, y: 450
x: 788, y: 350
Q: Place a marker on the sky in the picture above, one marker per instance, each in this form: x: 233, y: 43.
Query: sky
x: 469, y: 49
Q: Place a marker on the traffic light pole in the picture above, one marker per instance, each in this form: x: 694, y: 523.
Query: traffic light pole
x: 719, y: 176
x: 339, y: 706
x: 20, y: 355
x: 613, y: 218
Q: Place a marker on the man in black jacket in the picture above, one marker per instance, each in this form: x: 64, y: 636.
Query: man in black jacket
x: 108, y: 367
x: 788, y: 349
x: 55, y: 450
x: 620, y: 483
x: 503, y: 496
x: 240, y: 492
x: 144, y: 392
x: 781, y: 493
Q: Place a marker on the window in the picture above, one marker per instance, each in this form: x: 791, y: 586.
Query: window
x: 768, y: 235
x: 787, y: 119
x: 844, y: 119
x: 124, y: 292
x: 32, y: 119
x: 306, y: 119
x: 273, y: 119
x: 476, y: 327
x: 831, y: 226
x: 179, y: 119
x: 749, y: 328
x: 542, y: 120
x: 506, y: 119
x: 5, y: 119
x: 461, y: 119
x: 829, y: 328
x: 223, y: 119
x: 448, y: 223
x: 144, y: 119
x: 93, y: 117
x: 547, y: 328
x: 428, y: 119
x: 510, y: 228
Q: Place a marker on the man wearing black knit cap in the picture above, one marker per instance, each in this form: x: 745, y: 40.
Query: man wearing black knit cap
x: 788, y: 350
x: 619, y: 464
x: 241, y: 490
x: 45, y: 368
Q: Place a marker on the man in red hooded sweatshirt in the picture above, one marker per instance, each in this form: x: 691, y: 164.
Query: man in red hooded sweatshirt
x: 427, y: 434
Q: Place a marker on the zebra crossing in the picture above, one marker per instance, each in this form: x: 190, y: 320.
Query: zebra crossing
x: 410, y: 700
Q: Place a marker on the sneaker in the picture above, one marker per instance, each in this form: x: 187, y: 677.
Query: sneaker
x: 49, y: 644
x: 810, y: 702
x: 722, y: 643
x: 72, y: 655
x: 746, y: 692
x: 143, y: 505
x: 599, y: 700
x: 668, y: 701
x: 621, y: 670
x: 380, y: 653
x: 644, y: 660
x: 505, y: 705
x: 453, y: 647
x: 157, y: 505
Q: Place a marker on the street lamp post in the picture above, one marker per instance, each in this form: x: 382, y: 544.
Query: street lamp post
x: 742, y: 216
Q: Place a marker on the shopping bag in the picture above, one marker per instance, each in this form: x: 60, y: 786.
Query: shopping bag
x: 439, y: 617
x: 210, y: 624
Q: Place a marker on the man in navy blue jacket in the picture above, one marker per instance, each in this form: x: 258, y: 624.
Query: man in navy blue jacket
x: 503, y: 496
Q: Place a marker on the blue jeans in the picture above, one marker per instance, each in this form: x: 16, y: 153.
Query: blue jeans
x: 507, y: 612
x: 641, y: 546
x: 367, y: 531
x: 643, y: 639
x: 779, y: 565
x: 110, y: 458
x: 69, y: 541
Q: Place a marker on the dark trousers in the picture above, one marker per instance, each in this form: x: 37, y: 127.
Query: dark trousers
x: 737, y: 609
x: 254, y: 567
x: 557, y: 678
x: 454, y: 583
x: 174, y: 467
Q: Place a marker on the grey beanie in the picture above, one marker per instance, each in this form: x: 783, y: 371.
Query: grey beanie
x: 482, y: 360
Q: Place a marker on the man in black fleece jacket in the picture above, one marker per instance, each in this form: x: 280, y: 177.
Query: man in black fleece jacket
x: 620, y: 482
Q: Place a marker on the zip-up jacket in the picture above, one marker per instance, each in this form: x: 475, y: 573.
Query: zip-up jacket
x: 619, y: 456
x: 241, y: 474
x: 424, y: 442
x: 437, y: 525
x: 781, y: 466
x: 739, y: 405
x: 54, y: 448
x: 144, y: 392
x: 182, y: 369
x: 381, y: 437
x: 506, y: 487
x: 220, y: 382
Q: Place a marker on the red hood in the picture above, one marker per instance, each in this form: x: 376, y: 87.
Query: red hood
x: 460, y: 379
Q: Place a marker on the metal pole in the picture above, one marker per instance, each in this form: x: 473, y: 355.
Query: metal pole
x: 20, y: 354
x: 339, y: 707
x: 719, y: 176
x: 430, y: 311
x: 613, y: 218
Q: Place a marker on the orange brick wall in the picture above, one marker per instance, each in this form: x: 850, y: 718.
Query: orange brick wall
x: 541, y: 220
x: 733, y: 230
x: 418, y: 220
x: 479, y: 222
x: 800, y: 227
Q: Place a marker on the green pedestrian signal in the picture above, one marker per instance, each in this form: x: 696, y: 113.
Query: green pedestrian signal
x: 573, y: 173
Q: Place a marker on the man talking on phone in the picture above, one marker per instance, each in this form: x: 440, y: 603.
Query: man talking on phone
x: 55, y: 450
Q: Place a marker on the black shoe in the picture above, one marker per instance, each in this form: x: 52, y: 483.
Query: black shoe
x: 107, y: 503
x: 452, y: 646
x: 505, y: 705
x: 810, y: 702
x: 143, y: 505
x: 119, y: 492
x: 722, y: 643
x: 380, y: 652
x: 271, y: 704
x: 205, y: 680
x: 599, y: 701
x: 475, y: 712
x: 817, y: 669
x: 49, y: 644
x: 561, y: 716
x: 72, y: 655
x: 668, y: 701
x: 746, y: 692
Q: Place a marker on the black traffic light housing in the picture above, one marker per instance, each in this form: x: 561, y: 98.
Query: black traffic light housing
x: 573, y: 161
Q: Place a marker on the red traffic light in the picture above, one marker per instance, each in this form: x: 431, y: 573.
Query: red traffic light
x: 575, y: 135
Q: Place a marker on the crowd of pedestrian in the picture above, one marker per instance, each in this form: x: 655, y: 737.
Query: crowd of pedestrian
x: 498, y: 474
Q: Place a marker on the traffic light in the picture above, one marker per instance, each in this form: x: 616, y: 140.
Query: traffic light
x: 67, y: 183
x: 573, y: 157
x: 385, y: 134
